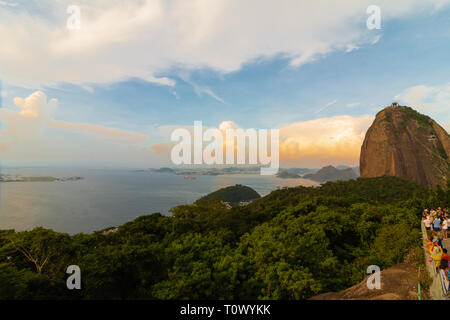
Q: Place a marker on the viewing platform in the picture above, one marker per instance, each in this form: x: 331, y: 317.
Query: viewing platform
x: 439, y: 286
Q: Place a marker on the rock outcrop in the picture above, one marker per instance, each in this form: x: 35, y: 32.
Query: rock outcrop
x: 397, y: 283
x: 404, y: 143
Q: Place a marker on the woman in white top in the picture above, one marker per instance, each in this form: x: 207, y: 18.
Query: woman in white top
x: 427, y: 223
x: 430, y: 220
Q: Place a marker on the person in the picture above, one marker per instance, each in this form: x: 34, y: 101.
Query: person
x: 445, y: 227
x: 436, y: 255
x: 440, y: 237
x: 427, y: 223
x: 434, y: 237
x: 437, y: 224
x: 430, y: 222
x: 443, y: 264
x: 445, y: 256
x: 431, y: 218
x: 429, y: 245
x: 447, y: 274
x: 447, y: 217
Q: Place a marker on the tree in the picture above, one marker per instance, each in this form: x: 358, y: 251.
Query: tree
x: 38, y: 246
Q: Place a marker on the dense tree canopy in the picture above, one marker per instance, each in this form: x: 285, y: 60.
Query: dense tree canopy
x: 292, y: 244
x: 233, y: 194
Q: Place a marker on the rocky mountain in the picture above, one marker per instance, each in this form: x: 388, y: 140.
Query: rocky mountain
x: 404, y: 143
x: 330, y: 173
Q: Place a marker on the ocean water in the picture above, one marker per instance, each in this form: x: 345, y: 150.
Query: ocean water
x: 107, y: 197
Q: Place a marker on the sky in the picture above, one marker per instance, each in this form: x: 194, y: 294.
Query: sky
x: 111, y: 92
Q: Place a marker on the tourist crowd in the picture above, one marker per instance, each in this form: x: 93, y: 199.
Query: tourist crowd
x: 437, y: 223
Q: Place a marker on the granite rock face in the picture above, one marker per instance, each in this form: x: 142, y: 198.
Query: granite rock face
x: 404, y: 143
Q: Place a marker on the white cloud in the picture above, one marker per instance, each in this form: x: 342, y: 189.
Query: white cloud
x: 314, y: 143
x: 175, y: 94
x: 224, y: 125
x: 110, y: 133
x: 354, y: 104
x: 36, y: 106
x: 146, y: 38
x: 326, y: 106
x: 32, y: 135
x: 431, y: 100
x: 200, y: 89
x: 8, y: 4
x: 447, y: 126
x: 336, y: 140
x: 162, y: 80
x: 351, y: 47
x: 376, y: 39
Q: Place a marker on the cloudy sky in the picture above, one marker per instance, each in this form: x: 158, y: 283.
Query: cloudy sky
x: 109, y: 93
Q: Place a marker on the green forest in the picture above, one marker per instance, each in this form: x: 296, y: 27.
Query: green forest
x: 233, y: 195
x: 291, y: 244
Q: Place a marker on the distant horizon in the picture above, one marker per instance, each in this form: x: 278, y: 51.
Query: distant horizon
x: 155, y: 168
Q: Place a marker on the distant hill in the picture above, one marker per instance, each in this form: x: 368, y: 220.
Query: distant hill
x: 284, y: 174
x: 330, y: 173
x: 299, y: 170
x: 212, y: 171
x: 356, y: 169
x: 404, y: 143
x: 232, y: 194
x: 164, y: 170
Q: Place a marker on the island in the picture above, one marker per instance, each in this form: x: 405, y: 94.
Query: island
x: 287, y: 175
x: 231, y: 196
x: 228, y: 171
x: 331, y: 173
x: 10, y: 178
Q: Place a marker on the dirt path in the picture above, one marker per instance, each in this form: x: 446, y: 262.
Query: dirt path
x: 397, y: 283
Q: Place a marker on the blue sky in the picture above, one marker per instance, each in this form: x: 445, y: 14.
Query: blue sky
x: 407, y: 60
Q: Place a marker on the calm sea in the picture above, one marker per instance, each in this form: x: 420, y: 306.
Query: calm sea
x: 106, y: 198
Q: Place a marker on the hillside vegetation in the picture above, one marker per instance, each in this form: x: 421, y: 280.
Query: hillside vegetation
x: 232, y: 194
x: 292, y: 244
